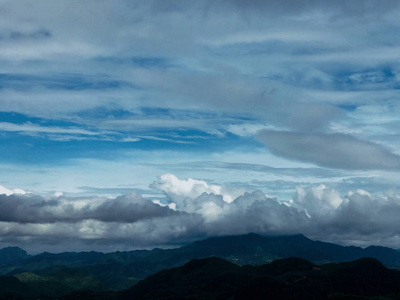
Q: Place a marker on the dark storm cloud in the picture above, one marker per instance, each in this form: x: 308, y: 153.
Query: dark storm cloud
x: 339, y: 151
x: 129, y: 208
x: 35, y: 209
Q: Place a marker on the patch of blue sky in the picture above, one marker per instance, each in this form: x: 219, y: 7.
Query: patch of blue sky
x: 18, y: 118
x: 344, y: 78
x: 356, y: 78
x: 59, y: 82
x: 25, y: 149
x: 44, y: 148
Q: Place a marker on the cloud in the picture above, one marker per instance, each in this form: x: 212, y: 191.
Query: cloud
x: 20, y: 208
x: 220, y: 70
x: 18, y: 35
x: 178, y: 190
x: 339, y: 151
x: 286, y: 7
x: 317, y: 201
x: 128, y: 208
x: 319, y: 212
x: 206, y: 70
x: 245, y: 130
x: 34, y: 128
x: 294, y: 172
x: 7, y: 192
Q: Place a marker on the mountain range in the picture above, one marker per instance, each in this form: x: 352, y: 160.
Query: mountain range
x: 69, y: 272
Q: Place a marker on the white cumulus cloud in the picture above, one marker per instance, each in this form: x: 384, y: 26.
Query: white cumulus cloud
x: 7, y: 192
x: 178, y: 190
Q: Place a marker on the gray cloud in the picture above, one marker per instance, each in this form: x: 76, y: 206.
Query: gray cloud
x: 118, y: 223
x: 348, y: 8
x: 129, y: 208
x: 36, y: 209
x: 330, y: 150
x: 19, y: 36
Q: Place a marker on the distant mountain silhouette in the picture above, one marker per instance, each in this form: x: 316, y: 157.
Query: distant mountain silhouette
x: 12, y: 255
x: 121, y: 270
x: 255, y: 249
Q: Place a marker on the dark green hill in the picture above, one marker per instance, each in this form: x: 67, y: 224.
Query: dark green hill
x: 208, y: 278
x: 12, y: 288
x: 59, y: 281
x: 292, y: 278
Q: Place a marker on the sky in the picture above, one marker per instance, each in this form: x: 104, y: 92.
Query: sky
x: 139, y: 124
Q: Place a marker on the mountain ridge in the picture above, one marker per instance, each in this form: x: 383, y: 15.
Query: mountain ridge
x: 120, y: 270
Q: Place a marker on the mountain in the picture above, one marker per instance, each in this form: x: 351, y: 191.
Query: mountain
x: 293, y: 278
x: 255, y: 249
x: 121, y: 270
x: 12, y: 255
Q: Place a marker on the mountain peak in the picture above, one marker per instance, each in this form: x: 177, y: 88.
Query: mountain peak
x: 12, y: 249
x: 11, y: 255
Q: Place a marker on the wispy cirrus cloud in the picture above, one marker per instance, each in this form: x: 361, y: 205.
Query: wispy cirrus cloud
x: 35, y: 128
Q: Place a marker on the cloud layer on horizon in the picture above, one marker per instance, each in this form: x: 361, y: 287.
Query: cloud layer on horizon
x: 131, y: 221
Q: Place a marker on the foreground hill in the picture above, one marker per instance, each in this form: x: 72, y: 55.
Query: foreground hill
x: 215, y: 278
x: 293, y: 278
x: 121, y: 270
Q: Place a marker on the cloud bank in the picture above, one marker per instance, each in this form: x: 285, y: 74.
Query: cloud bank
x: 131, y: 221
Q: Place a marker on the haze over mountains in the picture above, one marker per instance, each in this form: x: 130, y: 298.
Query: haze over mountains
x: 76, y: 271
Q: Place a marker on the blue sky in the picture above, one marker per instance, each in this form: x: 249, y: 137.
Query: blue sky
x: 172, y: 99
